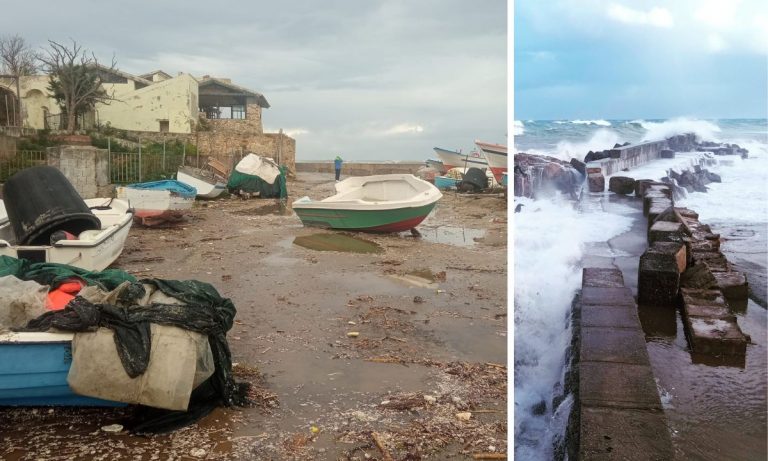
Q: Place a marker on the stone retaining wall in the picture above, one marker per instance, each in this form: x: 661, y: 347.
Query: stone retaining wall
x: 359, y: 168
x: 86, y: 167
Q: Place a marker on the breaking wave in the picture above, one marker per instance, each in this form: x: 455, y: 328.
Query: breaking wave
x: 655, y: 131
x: 518, y: 128
x: 599, y: 122
x: 547, y: 274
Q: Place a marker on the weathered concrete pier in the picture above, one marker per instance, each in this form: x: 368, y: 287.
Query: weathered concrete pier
x: 619, y: 409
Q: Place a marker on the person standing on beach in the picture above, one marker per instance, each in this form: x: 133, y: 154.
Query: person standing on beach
x: 337, y: 166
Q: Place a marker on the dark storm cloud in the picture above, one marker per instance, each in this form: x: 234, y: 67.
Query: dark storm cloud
x: 370, y: 79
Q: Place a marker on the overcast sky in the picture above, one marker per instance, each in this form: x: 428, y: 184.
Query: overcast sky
x: 369, y: 79
x: 630, y: 59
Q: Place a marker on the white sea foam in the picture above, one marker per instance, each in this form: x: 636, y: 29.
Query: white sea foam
x: 599, y: 122
x: 549, y: 239
x: 741, y: 197
x: 601, y: 139
x: 657, y: 131
x: 518, y: 128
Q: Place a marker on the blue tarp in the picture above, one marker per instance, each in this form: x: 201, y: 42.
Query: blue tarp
x: 172, y: 185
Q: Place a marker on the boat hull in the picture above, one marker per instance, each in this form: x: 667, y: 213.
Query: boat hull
x: 394, y: 220
x: 205, y: 188
x: 34, y: 371
x: 453, y: 159
x: 496, y: 156
x: 443, y: 182
x: 95, y: 253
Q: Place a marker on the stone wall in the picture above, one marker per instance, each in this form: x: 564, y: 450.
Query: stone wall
x: 359, y: 168
x: 7, y: 145
x: 86, y: 167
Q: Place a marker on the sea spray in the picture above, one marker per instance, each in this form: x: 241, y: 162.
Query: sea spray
x: 704, y: 130
x: 549, y: 239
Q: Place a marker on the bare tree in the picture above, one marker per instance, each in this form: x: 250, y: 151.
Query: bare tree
x: 16, y: 57
x: 76, y: 79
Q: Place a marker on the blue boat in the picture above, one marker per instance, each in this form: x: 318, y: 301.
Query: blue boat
x: 444, y: 182
x: 34, y: 368
x: 171, y: 185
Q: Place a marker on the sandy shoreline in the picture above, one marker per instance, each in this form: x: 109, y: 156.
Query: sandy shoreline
x: 431, y: 316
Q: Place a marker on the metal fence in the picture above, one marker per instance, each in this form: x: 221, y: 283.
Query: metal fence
x: 142, y: 166
x: 12, y: 162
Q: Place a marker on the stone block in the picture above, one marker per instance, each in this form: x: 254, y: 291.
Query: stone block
x: 675, y: 249
x: 609, y: 316
x: 601, y: 277
x: 648, y: 200
x: 608, y: 344
x: 666, y: 153
x: 624, y: 434
x: 715, y: 336
x: 665, y: 231
x: 642, y: 185
x: 717, y: 264
x: 600, y: 296
x: 596, y: 182
x: 733, y: 285
x: 661, y: 188
x: 698, y: 276
x: 621, y: 185
x: 656, y: 208
x: 658, y: 279
x: 617, y: 385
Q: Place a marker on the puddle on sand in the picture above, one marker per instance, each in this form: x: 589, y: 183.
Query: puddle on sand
x: 449, y: 235
x: 422, y: 278
x: 337, y: 242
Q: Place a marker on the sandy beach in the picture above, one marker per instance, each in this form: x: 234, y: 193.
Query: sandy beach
x: 431, y: 318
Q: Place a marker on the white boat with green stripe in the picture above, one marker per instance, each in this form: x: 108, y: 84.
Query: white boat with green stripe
x: 379, y: 203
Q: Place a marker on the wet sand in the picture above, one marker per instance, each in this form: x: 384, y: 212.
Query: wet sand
x: 431, y: 314
x: 716, y: 408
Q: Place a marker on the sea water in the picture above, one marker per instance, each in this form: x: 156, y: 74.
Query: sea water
x: 550, y: 237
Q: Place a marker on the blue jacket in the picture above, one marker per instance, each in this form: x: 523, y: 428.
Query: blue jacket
x: 337, y: 164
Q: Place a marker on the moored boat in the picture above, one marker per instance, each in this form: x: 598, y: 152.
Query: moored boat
x: 206, y: 185
x: 496, y: 156
x: 92, y: 249
x: 158, y: 201
x: 452, y: 159
x: 379, y: 203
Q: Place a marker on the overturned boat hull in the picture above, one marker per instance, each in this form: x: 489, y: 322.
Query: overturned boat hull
x: 207, y: 188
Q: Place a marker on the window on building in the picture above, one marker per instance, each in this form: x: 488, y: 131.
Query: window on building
x: 165, y: 126
x: 238, y: 112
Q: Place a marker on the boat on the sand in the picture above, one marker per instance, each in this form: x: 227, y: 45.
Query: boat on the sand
x: 35, y: 368
x: 93, y: 249
x: 452, y: 159
x: 158, y: 201
x: 379, y: 203
x: 206, y: 183
x: 496, y: 156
